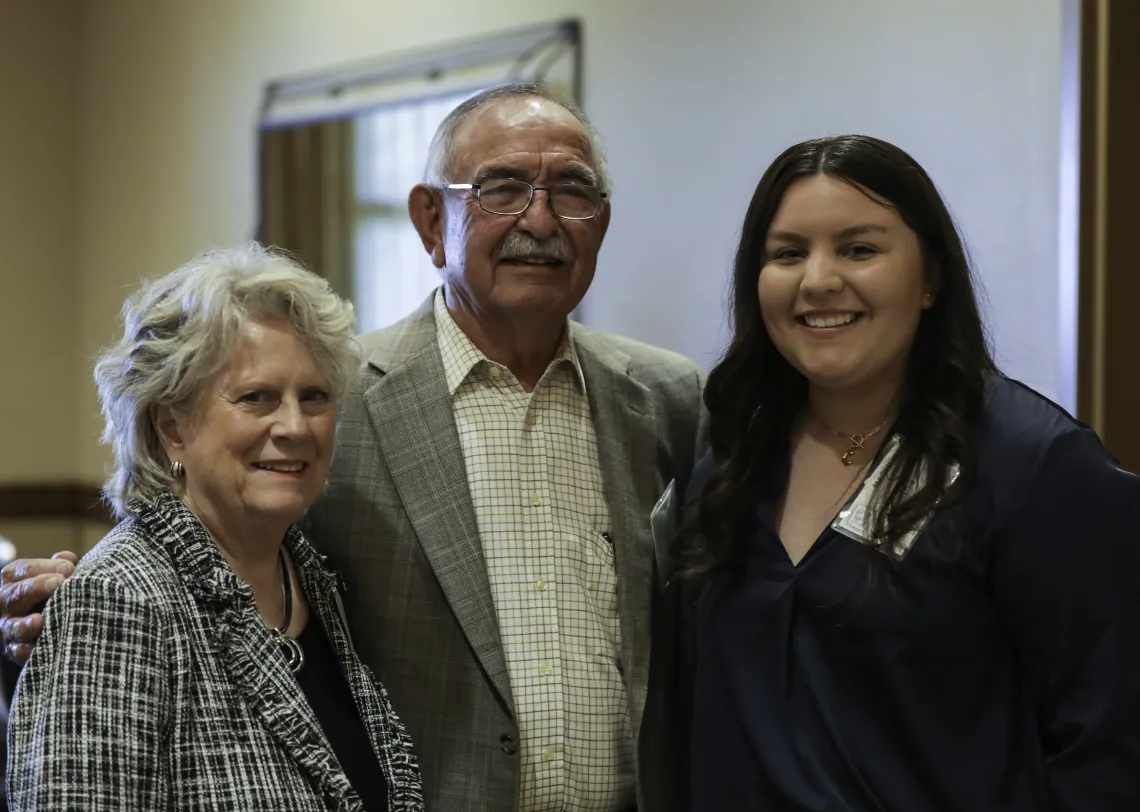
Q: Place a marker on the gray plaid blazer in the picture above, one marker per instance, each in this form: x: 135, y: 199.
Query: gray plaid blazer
x: 398, y: 522
x: 156, y: 686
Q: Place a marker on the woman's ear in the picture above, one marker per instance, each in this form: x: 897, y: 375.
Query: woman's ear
x: 168, y: 429
x: 933, y: 285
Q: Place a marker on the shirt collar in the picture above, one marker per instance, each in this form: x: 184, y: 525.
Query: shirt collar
x: 460, y: 356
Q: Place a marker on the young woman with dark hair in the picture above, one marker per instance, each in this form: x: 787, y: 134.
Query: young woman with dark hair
x: 910, y: 583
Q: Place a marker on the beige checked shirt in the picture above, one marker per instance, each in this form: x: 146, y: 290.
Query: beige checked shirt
x: 532, y: 467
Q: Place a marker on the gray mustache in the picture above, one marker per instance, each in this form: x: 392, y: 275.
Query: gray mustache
x: 520, y: 245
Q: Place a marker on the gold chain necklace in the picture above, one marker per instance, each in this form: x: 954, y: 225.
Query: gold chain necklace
x: 857, y: 441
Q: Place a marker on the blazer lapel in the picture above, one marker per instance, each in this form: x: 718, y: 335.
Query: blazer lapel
x: 411, y: 411
x: 247, y: 650
x: 258, y: 670
x: 625, y: 424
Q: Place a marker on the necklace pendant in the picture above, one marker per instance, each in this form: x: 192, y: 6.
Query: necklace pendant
x: 292, y: 651
x: 856, y: 441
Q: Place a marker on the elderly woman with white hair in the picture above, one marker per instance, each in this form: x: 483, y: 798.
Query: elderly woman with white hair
x: 199, y: 657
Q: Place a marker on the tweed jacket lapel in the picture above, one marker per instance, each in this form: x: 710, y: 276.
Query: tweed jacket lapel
x: 390, y: 740
x: 411, y: 411
x: 626, y: 427
x: 246, y: 649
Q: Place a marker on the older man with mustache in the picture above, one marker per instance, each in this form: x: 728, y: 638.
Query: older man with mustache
x: 496, y: 469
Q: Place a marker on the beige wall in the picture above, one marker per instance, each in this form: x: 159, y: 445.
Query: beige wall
x: 694, y: 100
x: 39, y: 115
x: 39, y: 222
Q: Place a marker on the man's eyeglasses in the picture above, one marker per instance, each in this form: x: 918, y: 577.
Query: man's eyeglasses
x: 570, y: 201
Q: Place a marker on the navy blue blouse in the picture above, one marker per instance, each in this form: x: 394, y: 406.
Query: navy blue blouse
x: 1011, y: 687
x: 327, y: 691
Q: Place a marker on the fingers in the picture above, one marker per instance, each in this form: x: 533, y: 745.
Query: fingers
x: 18, y: 652
x: 22, y: 597
x: 25, y: 585
x: 23, y: 568
x: 19, y: 633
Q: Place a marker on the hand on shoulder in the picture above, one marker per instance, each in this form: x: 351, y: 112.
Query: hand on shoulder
x: 25, y: 585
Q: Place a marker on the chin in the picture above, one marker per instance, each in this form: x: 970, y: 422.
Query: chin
x: 548, y: 301
x: 832, y: 378
x: 284, y: 507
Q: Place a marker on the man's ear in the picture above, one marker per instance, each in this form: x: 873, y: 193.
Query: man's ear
x: 168, y: 429
x: 425, y: 207
x: 604, y: 220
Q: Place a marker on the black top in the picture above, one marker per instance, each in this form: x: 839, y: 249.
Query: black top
x: 329, y: 696
x: 1013, y: 688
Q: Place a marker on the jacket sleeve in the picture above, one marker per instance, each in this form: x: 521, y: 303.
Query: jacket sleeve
x: 702, y: 420
x: 1066, y: 579
x: 87, y: 721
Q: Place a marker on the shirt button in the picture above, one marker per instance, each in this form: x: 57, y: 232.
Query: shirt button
x: 535, y: 500
x: 548, y: 755
x: 496, y: 373
x: 547, y: 670
x: 540, y: 585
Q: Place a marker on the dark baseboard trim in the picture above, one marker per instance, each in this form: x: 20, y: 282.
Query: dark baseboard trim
x: 66, y: 501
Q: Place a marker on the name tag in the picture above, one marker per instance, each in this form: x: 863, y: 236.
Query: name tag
x: 857, y: 519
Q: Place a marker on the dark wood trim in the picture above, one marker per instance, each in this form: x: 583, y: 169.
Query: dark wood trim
x: 1121, y: 341
x: 1108, y: 334
x: 66, y: 501
x: 1089, y: 207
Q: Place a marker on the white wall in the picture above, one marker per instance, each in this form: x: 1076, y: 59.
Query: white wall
x: 693, y: 96
x: 716, y: 90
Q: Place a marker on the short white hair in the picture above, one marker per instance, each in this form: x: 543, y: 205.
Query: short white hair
x: 180, y: 331
x: 442, y: 155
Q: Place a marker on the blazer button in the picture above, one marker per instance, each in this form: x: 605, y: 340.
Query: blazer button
x: 508, y: 743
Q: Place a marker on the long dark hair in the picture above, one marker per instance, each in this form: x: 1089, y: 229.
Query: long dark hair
x: 754, y: 395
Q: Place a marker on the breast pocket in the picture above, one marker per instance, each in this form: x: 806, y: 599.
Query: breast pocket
x: 599, y: 575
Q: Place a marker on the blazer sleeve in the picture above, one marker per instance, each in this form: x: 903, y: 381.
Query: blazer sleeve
x: 702, y: 420
x: 87, y: 721
x: 1066, y: 579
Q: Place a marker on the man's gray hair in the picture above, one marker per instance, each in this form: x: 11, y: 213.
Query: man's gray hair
x: 181, y: 330
x: 442, y: 155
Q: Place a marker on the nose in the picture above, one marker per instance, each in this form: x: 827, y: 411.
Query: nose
x: 821, y: 275
x: 292, y: 423
x: 539, y: 219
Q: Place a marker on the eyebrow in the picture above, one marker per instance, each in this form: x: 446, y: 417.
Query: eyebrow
x: 578, y: 173
x: 573, y: 173
x: 845, y: 234
x: 499, y: 171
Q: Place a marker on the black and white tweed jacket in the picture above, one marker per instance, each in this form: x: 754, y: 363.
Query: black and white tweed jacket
x: 156, y: 686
